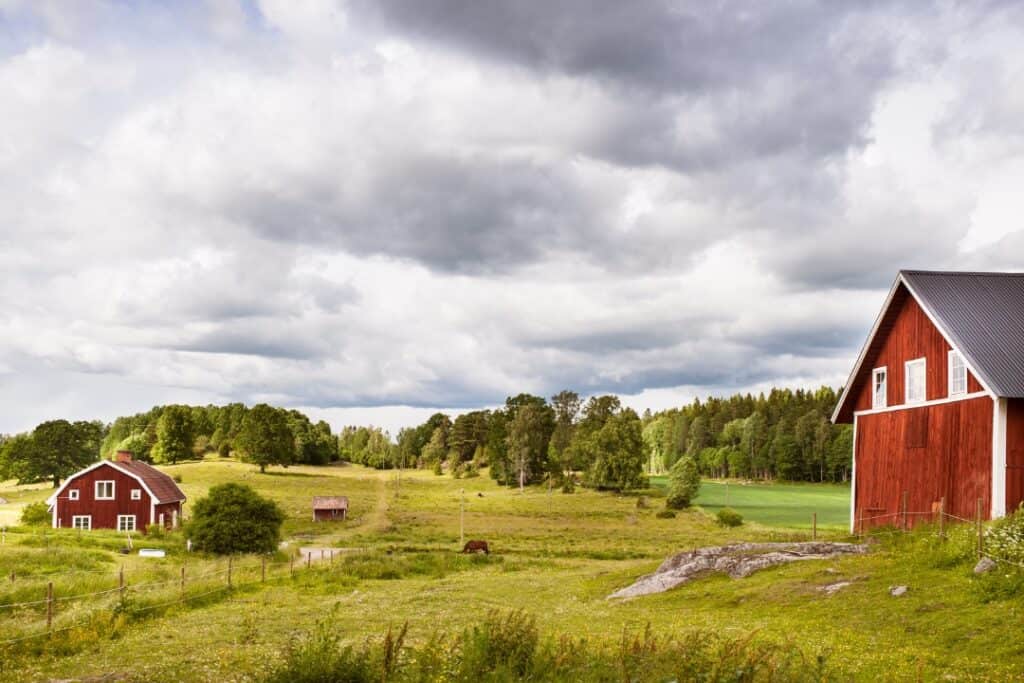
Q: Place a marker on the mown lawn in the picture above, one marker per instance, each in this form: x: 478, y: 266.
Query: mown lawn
x: 557, y: 557
x: 777, y: 504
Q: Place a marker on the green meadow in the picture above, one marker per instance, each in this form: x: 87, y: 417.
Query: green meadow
x: 554, y: 556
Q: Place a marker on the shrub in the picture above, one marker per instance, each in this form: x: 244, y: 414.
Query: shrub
x: 683, y: 483
x: 36, y: 514
x: 729, y: 517
x: 233, y: 518
x: 1005, y: 538
x: 177, y: 478
x: 438, y: 468
x: 569, y: 484
x: 666, y: 514
x: 320, y: 657
x: 155, y: 531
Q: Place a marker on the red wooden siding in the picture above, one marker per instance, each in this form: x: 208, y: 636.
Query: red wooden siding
x: 1014, y: 454
x: 104, y: 512
x: 906, y: 334
x: 955, y: 460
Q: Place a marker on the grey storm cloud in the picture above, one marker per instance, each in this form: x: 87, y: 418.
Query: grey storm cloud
x: 385, y: 203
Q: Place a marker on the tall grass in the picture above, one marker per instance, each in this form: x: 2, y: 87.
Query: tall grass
x: 507, y: 646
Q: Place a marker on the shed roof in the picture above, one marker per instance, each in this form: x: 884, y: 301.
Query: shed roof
x: 330, y: 502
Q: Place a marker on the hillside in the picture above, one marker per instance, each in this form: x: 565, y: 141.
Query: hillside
x: 555, y: 556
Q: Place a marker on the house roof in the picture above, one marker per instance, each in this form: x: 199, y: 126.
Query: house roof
x: 330, y: 502
x: 160, y: 487
x: 981, y: 315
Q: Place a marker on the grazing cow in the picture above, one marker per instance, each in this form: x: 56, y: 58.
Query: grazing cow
x: 476, y: 547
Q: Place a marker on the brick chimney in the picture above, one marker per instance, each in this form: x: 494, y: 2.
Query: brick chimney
x: 123, y: 456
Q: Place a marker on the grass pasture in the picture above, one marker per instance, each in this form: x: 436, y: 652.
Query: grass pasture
x: 786, y: 505
x: 556, y: 557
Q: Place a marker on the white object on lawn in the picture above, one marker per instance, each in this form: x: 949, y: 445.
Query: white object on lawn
x: 151, y: 552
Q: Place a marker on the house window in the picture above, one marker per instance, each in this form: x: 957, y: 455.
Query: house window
x: 104, y: 490
x: 126, y: 522
x: 878, y: 381
x: 136, y: 494
x: 914, y: 379
x: 81, y: 522
x: 73, y: 494
x: 957, y: 374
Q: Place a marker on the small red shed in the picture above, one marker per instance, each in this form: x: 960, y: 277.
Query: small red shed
x: 329, y: 508
x: 123, y: 494
x: 936, y: 399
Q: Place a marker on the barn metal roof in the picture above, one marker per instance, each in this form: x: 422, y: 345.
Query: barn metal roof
x: 330, y: 503
x: 983, y: 316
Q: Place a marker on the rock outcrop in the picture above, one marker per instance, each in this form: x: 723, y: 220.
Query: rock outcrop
x: 737, y: 560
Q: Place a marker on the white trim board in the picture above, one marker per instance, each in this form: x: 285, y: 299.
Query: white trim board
x: 923, y: 404
x: 998, y: 504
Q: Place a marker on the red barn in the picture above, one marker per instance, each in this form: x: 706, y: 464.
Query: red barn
x: 122, y: 494
x: 937, y: 398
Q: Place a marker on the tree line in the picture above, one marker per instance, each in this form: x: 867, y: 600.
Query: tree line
x: 564, y: 440
x: 785, y: 435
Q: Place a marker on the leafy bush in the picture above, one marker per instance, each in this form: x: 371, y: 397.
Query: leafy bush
x: 729, y: 517
x: 666, y: 514
x: 683, y: 483
x: 569, y: 484
x: 320, y: 657
x: 1005, y: 538
x: 155, y: 531
x: 233, y: 518
x: 36, y: 514
x: 177, y: 478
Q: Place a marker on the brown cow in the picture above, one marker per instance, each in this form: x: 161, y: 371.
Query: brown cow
x: 476, y: 547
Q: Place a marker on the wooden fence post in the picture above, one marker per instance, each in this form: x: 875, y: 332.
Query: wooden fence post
x: 814, y: 526
x: 942, y: 516
x: 229, y: 571
x: 12, y: 576
x: 904, y: 506
x: 977, y: 518
x: 263, y: 569
x: 182, y: 582
x: 309, y: 558
x: 120, y: 583
x: 291, y: 565
x: 49, y: 606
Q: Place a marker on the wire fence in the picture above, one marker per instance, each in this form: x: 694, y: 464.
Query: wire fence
x: 259, y: 573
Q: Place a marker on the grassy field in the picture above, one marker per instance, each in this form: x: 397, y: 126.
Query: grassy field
x: 557, y: 557
x: 777, y: 504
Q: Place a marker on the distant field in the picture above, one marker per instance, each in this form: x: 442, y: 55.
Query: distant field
x: 782, y: 505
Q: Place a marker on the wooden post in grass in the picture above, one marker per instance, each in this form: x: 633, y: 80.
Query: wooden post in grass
x: 182, y: 582
x: 977, y: 523
x: 12, y: 576
x: 814, y: 526
x: 263, y: 569
x: 462, y: 518
x: 903, y: 506
x: 942, y: 516
x: 291, y: 565
x: 229, y: 571
x: 49, y: 606
x: 120, y: 583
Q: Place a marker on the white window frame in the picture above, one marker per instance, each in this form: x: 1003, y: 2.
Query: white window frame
x: 113, y: 493
x: 75, y: 519
x: 127, y: 518
x: 953, y: 390
x: 72, y: 494
x: 923, y: 362
x: 885, y: 388
x: 136, y: 494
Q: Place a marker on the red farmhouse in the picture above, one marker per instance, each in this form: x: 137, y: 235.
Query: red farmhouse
x: 122, y: 494
x: 937, y: 399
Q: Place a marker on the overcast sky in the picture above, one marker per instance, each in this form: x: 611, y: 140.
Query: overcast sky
x: 369, y: 209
